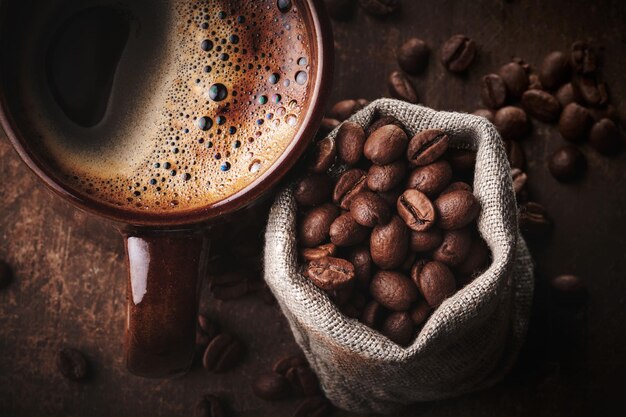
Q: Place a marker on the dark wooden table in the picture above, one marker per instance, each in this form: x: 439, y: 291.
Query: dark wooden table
x: 70, y: 283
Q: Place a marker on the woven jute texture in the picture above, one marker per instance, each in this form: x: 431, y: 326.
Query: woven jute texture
x: 468, y: 343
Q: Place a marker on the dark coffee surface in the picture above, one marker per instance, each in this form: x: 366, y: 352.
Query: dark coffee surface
x: 69, y: 283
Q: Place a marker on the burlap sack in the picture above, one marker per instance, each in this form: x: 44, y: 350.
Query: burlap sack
x: 468, y: 343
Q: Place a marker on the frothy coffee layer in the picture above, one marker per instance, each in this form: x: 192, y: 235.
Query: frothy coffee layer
x: 205, y: 97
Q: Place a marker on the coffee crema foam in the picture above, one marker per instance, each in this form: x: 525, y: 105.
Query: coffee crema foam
x: 204, y: 100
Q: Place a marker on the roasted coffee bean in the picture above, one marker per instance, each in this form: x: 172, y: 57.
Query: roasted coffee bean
x: 209, y: 329
x: 605, y: 138
x: 391, y: 196
x: 6, y: 274
x: 583, y: 58
x: 319, y: 252
x: 284, y: 364
x: 315, y: 406
x: 431, y: 179
x: 476, y: 260
x: 385, y: 145
x: 456, y: 209
x: 568, y: 288
x: 416, y: 209
x: 341, y: 296
x: 458, y: 53
x: 383, y: 178
x: 209, y: 406
x: 344, y: 109
x: 398, y: 327
x: 344, y: 231
x: 420, y: 313
x: 457, y: 185
x: 350, y: 141
x: 271, y: 386
x: 303, y: 381
x: 426, y: 241
x: 313, y: 189
x: 72, y: 364
x: 408, y: 262
x: 393, y: 290
x: 315, y: 225
x: 592, y: 91
x: 340, y: 9
x: 380, y: 122
x: 541, y: 105
x: 413, y: 55
x: 436, y: 283
x: 533, y: 220
x: 515, y: 154
x: 380, y: 7
x: 427, y: 146
x: 349, y: 185
x: 373, y: 314
x: 534, y: 83
x: 568, y: 94
x: 575, y: 123
x: 567, y: 163
x: 223, y: 353
x: 486, y: 113
x: 519, y: 179
x: 493, y: 91
x: 323, y: 155
x: 362, y: 261
x: 461, y: 160
x: 401, y: 87
x: 607, y: 112
x: 555, y: 70
x: 389, y: 243
x: 327, y: 125
x: 511, y: 122
x: 454, y: 248
x: 369, y: 209
x: 515, y: 79
x: 519, y: 61
x: 363, y: 102
x: 330, y: 273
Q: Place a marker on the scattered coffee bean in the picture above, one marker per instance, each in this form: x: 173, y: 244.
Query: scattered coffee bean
x: 605, y: 137
x: 380, y: 122
x: 413, y: 55
x: 372, y: 315
x: 476, y: 259
x: 340, y: 9
x: 555, y: 70
x: 568, y: 94
x: 323, y: 156
x: 511, y: 122
x: 568, y: 288
x: 533, y: 221
x: 328, y: 124
x: 208, y: 329
x: 519, y: 179
x: 383, y: 178
x: 319, y: 252
x: 416, y: 209
x: 385, y: 145
x: 362, y: 261
x: 493, y: 91
x: 6, y: 275
x: 209, y: 406
x: 458, y: 53
x: 420, y: 313
x: 427, y: 146
x: 344, y: 231
x: 316, y: 406
x: 436, y: 283
x: 431, y: 179
x: 592, y: 91
x: 398, y: 327
x: 456, y: 209
x: 515, y: 154
x: 271, y: 386
x: 313, y: 189
x: 223, y: 353
x: 583, y: 58
x: 393, y: 290
x: 400, y: 87
x: 369, y: 209
x: 315, y: 225
x: 607, y: 112
x: 349, y: 185
x: 426, y: 241
x: 330, y: 273
x: 534, y: 83
x: 72, y: 364
x: 350, y: 141
x: 344, y: 109
x: 389, y: 243
x: 575, y: 123
x: 454, y: 248
x: 567, y: 163
x: 486, y: 113
x: 541, y: 105
x: 235, y: 284
x: 515, y: 79
x: 284, y: 364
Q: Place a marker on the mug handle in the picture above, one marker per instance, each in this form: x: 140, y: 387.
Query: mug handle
x: 165, y: 271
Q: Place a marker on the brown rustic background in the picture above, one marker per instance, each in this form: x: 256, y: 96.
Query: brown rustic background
x: 69, y: 288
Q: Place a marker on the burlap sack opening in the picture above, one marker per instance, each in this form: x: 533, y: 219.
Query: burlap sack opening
x: 467, y: 344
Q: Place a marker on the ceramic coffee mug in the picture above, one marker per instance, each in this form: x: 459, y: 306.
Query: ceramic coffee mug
x: 167, y: 250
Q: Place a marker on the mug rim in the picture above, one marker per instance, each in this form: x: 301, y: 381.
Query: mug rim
x: 322, y: 39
